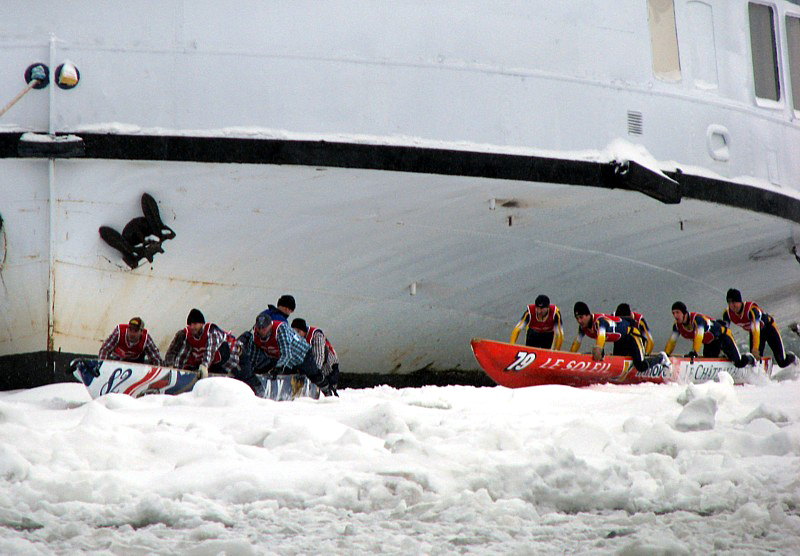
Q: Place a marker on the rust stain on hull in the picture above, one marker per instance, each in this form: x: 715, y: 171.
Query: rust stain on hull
x: 50, y: 319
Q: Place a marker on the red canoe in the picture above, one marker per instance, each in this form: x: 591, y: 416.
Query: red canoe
x: 516, y: 366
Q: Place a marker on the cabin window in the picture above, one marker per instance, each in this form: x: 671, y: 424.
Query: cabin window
x: 793, y: 40
x: 664, y: 39
x: 765, y: 52
x: 702, y: 49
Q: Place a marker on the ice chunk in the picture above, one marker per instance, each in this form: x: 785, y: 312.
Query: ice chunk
x: 698, y: 415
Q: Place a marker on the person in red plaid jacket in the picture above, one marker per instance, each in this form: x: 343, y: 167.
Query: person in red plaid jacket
x: 130, y: 342
x: 201, y: 346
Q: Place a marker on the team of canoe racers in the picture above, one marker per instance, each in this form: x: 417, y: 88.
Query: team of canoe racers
x: 630, y: 334
x: 272, y: 346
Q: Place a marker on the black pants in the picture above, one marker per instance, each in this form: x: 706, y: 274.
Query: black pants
x: 266, y: 365
x: 631, y: 346
x: 628, y: 349
x: 723, y: 342
x: 770, y: 336
x: 542, y: 340
x: 308, y: 367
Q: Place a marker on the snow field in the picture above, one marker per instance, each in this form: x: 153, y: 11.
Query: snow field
x: 647, y: 469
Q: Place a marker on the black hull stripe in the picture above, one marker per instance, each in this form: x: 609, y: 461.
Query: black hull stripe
x: 409, y: 159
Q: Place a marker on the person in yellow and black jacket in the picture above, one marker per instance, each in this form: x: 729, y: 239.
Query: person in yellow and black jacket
x: 761, y: 327
x: 624, y: 310
x: 608, y: 328
x: 543, y: 323
x: 702, y: 330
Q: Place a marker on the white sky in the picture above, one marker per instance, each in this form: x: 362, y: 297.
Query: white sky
x: 436, y: 470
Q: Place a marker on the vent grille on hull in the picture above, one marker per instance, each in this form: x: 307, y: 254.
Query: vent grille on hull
x: 635, y: 123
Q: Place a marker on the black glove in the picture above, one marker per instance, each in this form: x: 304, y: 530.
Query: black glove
x: 325, y: 387
x: 692, y: 354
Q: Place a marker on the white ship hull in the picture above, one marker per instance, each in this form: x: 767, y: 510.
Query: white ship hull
x: 401, y: 269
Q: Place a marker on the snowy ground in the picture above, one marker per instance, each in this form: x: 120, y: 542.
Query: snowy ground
x: 648, y: 469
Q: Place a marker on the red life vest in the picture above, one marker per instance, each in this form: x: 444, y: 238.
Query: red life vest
x: 125, y: 351
x: 270, y: 345
x: 260, y: 344
x: 611, y: 331
x: 199, y: 345
x: 744, y: 320
x: 310, y: 335
x: 541, y: 326
x: 708, y: 337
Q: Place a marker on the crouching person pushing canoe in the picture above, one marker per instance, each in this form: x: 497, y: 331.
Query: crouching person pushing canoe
x: 608, y: 328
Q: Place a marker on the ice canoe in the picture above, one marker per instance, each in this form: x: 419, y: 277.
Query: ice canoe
x: 516, y: 366
x: 135, y: 379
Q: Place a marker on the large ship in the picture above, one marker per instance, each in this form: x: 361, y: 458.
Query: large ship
x: 413, y: 172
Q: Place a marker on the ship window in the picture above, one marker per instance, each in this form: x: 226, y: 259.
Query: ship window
x: 793, y: 38
x: 702, y: 52
x: 765, y: 52
x: 664, y: 39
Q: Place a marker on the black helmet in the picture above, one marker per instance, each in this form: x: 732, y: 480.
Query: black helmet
x: 581, y: 308
x: 300, y: 324
x: 680, y: 306
x: 623, y: 310
x: 287, y: 301
x: 734, y: 295
x: 195, y: 316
